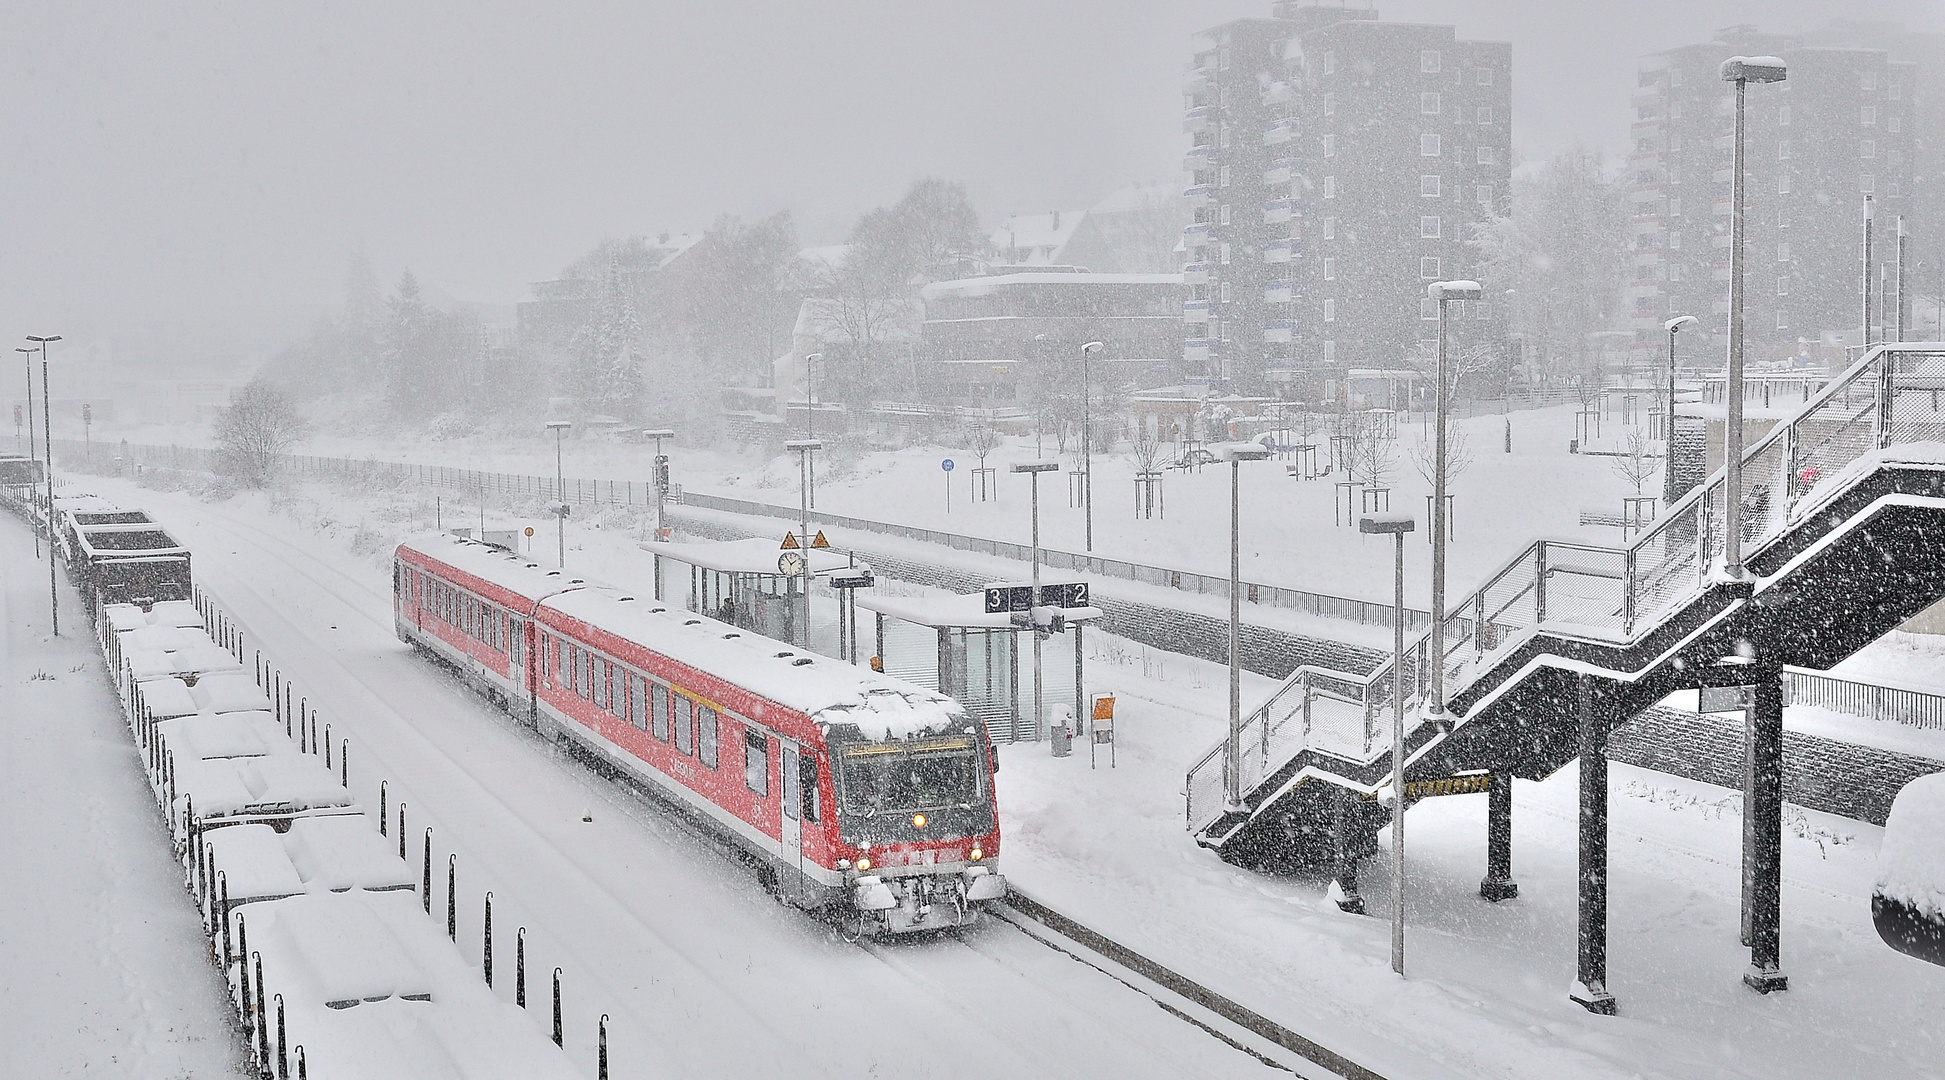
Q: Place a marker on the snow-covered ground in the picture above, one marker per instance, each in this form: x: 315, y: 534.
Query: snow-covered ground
x: 103, y: 965
x: 651, y: 921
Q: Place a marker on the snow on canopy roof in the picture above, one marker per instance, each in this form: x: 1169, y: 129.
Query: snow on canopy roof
x: 752, y: 555
x: 828, y: 691
x: 125, y: 617
x: 1911, y: 863
x: 957, y: 610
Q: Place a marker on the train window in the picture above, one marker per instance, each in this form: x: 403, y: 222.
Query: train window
x: 575, y: 680
x: 706, y: 734
x: 807, y: 786
x: 515, y: 639
x: 659, y: 697
x: 586, y: 675
x: 638, y: 701
x: 599, y: 669
x: 756, y: 762
x: 685, y: 734
x: 563, y: 674
x: 790, y: 782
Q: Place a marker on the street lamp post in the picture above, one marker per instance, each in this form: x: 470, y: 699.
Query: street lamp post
x: 47, y: 435
x: 810, y: 422
x: 804, y: 448
x: 1232, y: 773
x: 1443, y: 292
x: 661, y: 496
x: 1087, y: 441
x: 33, y: 448
x: 1397, y: 525
x: 559, y: 428
x: 1741, y: 70
x: 1674, y: 326
x: 1033, y: 469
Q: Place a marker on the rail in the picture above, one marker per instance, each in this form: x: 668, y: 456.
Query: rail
x: 1890, y: 396
x: 1913, y: 708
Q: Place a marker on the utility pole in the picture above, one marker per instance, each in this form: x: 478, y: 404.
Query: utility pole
x: 1033, y: 469
x: 1743, y: 70
x: 661, y: 497
x: 804, y: 448
x: 33, y: 450
x: 47, y: 436
x: 1087, y: 440
x: 559, y: 428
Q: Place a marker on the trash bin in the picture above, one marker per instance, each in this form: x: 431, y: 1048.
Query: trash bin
x: 1060, y: 730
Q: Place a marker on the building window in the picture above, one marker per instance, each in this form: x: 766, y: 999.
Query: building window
x: 1674, y: 110
x: 1866, y: 183
x: 1428, y: 187
x: 1224, y: 249
x: 1783, y: 150
x: 1222, y: 177
x: 1485, y: 155
x: 1868, y: 82
x: 1330, y: 268
x: 1674, y: 175
x: 1428, y: 61
x: 1330, y: 104
x: 1782, y: 116
x: 1894, y: 124
x: 1782, y: 319
x: 1893, y: 191
x: 1428, y: 267
x: 1330, y: 146
x: 1483, y: 77
x: 1428, y: 227
x: 1783, y: 184
x: 1428, y: 104
x: 1674, y: 271
x: 1483, y: 195
x: 1782, y: 253
x: 1330, y: 187
x: 1867, y: 116
x: 1427, y: 308
x: 1483, y: 114
x: 1327, y: 63
x: 1894, y: 92
x: 1674, y: 208
x: 1330, y: 352
x: 1222, y: 137
x: 1223, y: 215
x: 1867, y: 148
x: 1782, y: 286
x: 1674, y: 144
x: 1225, y: 292
x: 1428, y: 146
x: 1330, y: 228
x: 1330, y: 311
x: 1674, y: 241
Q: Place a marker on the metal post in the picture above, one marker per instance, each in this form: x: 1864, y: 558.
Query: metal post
x: 601, y: 1052
x: 452, y: 896
x: 33, y: 451
x: 425, y: 886
x: 520, y: 967
x: 1435, y: 709
x: 1034, y: 596
x: 1590, y: 989
x: 1398, y: 753
x: 1233, y: 752
x: 486, y: 936
x: 1732, y: 455
x: 47, y: 433
x: 1898, y: 317
x: 1864, y: 339
x: 1763, y: 808
x: 557, y: 1006
x: 1499, y: 884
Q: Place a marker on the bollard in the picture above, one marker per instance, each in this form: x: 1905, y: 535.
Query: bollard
x: 283, y: 1061
x: 327, y: 740
x: 602, y: 1074
x: 243, y: 969
x: 520, y: 968
x: 557, y: 1006
x: 452, y: 896
x: 223, y: 891
x: 344, y: 764
x: 302, y: 1074
x: 425, y: 886
x: 263, y: 1034
x: 381, y: 808
x: 486, y: 961
x: 401, y: 830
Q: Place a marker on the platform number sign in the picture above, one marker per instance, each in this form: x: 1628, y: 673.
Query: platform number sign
x: 1001, y: 599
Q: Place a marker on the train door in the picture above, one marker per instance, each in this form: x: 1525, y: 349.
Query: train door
x: 791, y: 882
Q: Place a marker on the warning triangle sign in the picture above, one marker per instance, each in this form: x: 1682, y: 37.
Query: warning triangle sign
x: 789, y: 542
x: 820, y: 542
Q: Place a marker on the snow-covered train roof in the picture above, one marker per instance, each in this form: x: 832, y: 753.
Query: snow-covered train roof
x: 508, y: 570
x: 232, y: 690
x: 317, y: 854
x: 828, y: 691
x: 125, y: 617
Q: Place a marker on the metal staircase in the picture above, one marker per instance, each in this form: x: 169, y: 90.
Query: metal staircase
x: 1843, y: 514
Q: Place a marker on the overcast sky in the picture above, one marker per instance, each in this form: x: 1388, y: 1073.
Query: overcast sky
x: 200, y: 173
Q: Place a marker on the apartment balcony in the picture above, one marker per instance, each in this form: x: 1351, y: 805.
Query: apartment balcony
x: 1200, y: 159
x: 1277, y: 332
x: 1199, y: 194
x: 1279, y: 251
x: 1198, y: 350
x: 1279, y: 93
x: 1279, y: 292
x: 1199, y: 119
x: 1201, y: 234
x: 1278, y: 211
x: 1196, y: 311
x: 1279, y: 132
x: 1196, y: 273
x: 1199, y: 81
x: 1281, y: 171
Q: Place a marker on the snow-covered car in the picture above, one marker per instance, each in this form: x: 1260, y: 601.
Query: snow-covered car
x: 1194, y: 459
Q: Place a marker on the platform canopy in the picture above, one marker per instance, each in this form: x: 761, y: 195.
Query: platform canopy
x: 755, y: 555
x: 956, y: 611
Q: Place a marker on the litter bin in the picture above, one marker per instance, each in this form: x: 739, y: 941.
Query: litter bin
x: 1061, y: 731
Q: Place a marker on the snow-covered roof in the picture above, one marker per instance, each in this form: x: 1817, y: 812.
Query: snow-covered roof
x: 754, y: 555
x: 153, y: 651
x: 277, y: 784
x: 229, y: 690
x: 828, y: 691
x: 516, y: 573
x: 983, y: 286
x: 1911, y: 864
x: 125, y: 617
x: 225, y: 735
x: 1037, y: 238
x: 1138, y: 197
x: 321, y: 854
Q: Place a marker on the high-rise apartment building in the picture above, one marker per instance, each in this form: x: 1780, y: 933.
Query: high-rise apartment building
x: 1338, y: 164
x: 1836, y: 132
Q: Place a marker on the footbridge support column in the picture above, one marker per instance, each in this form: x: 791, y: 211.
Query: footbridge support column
x: 1498, y: 883
x: 1346, y: 823
x: 1763, y: 815
x: 1590, y: 985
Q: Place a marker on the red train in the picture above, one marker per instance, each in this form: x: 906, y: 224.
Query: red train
x: 854, y: 793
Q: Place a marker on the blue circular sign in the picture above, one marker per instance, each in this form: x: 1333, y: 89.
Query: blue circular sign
x: 946, y: 464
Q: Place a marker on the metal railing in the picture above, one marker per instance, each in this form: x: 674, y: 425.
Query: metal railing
x: 1914, y: 708
x: 1889, y: 397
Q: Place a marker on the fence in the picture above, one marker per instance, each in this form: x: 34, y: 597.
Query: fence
x: 585, y: 492
x: 1912, y: 707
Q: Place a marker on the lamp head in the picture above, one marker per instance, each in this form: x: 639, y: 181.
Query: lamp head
x: 658, y: 433
x: 1035, y: 466
x: 1385, y: 523
x: 1679, y: 323
x: 802, y: 445
x: 44, y: 340
x: 1241, y: 451
x: 1453, y: 290
x: 1756, y: 69
x: 1092, y: 347
x: 808, y: 357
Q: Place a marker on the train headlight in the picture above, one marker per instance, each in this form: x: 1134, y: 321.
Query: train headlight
x: 918, y: 821
x: 978, y: 854
x: 863, y: 865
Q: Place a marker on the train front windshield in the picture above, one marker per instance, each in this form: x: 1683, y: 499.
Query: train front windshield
x: 900, y: 777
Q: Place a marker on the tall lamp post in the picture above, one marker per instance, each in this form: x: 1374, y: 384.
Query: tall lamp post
x: 1033, y: 469
x: 810, y: 423
x: 1232, y: 773
x: 1674, y: 326
x: 559, y: 428
x: 661, y: 496
x: 1741, y: 70
x: 1443, y: 292
x: 1087, y: 440
x: 33, y: 447
x: 804, y: 448
x: 47, y: 434
x: 1397, y: 525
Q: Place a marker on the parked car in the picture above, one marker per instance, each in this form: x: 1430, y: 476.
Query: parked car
x: 1194, y: 459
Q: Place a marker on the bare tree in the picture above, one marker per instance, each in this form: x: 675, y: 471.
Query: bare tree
x: 1636, y: 465
x: 1146, y: 446
x: 260, y: 424
x: 1458, y: 456
x: 980, y: 438
x: 1373, y: 448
